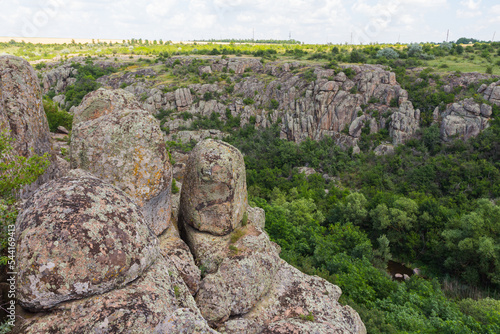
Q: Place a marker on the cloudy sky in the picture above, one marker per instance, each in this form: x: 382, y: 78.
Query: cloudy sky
x: 311, y: 21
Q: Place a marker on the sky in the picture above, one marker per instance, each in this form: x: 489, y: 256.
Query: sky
x: 313, y: 21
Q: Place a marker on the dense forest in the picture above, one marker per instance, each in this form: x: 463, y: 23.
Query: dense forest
x: 432, y: 206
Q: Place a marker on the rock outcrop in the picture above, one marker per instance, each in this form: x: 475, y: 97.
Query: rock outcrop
x: 246, y: 287
x: 123, y: 144
x: 86, y: 254
x: 404, y: 123
x: 102, y: 102
x: 492, y: 93
x: 214, y: 196
x: 22, y: 109
x: 464, y: 120
x: 297, y: 303
x: 23, y: 117
x: 313, y: 103
x: 78, y: 237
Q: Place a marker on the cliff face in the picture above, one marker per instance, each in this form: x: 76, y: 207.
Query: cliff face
x: 98, y: 251
x: 309, y: 102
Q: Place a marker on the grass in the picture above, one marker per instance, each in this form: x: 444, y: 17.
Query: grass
x: 464, y: 65
x: 236, y: 235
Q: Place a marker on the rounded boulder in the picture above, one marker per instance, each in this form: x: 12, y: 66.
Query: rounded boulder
x: 214, y: 193
x: 77, y: 237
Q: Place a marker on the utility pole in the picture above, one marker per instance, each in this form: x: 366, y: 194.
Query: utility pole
x: 253, y: 34
x: 447, y: 35
x: 493, y: 39
x: 351, y: 38
x: 290, y: 35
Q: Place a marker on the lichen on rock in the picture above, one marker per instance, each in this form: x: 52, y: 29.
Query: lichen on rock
x: 214, y: 195
x: 126, y: 148
x: 77, y: 237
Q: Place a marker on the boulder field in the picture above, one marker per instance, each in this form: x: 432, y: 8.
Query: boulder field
x: 108, y: 248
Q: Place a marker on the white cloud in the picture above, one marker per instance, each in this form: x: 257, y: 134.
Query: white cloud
x: 158, y: 8
x: 471, y: 4
x: 467, y: 14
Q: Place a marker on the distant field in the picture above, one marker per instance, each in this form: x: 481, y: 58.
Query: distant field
x: 452, y: 64
x: 47, y: 40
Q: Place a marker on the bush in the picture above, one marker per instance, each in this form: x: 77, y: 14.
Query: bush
x: 274, y: 104
x: 55, y: 116
x: 248, y: 101
x: 414, y: 50
x: 309, y: 75
x: 388, y: 53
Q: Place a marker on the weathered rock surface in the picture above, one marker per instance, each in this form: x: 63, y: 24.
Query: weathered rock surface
x: 384, y: 149
x: 77, y: 237
x: 492, y: 93
x: 102, y: 102
x: 157, y: 302
x: 464, y: 119
x: 308, y: 109
x: 126, y: 148
x: 175, y: 249
x: 214, y: 196
x: 21, y: 109
x: 293, y: 298
x: 246, y: 287
x: 23, y: 116
x: 242, y: 278
x: 404, y: 123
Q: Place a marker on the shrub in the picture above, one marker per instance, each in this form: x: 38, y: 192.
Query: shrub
x: 175, y: 188
x: 414, y: 50
x: 309, y: 75
x: 274, y: 104
x: 248, y: 101
x: 349, y: 72
x: 388, y: 53
x: 55, y: 116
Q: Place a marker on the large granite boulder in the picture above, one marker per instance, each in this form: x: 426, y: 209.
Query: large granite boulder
x: 492, y: 93
x: 77, y: 237
x: 464, y: 119
x: 157, y: 302
x: 21, y: 108
x: 242, y: 278
x: 126, y: 148
x: 102, y: 102
x: 404, y: 123
x: 214, y: 195
x: 297, y: 303
x: 23, y: 117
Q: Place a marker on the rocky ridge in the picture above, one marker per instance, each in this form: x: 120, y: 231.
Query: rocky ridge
x: 321, y: 102
x: 90, y: 258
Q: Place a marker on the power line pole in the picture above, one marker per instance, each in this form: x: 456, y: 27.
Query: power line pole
x: 493, y: 39
x: 253, y: 34
x: 447, y: 35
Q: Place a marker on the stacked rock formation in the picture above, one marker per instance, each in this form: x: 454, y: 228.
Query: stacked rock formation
x: 464, y: 119
x: 118, y: 141
x: 90, y: 259
x: 87, y: 255
x: 23, y: 117
x: 246, y: 287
